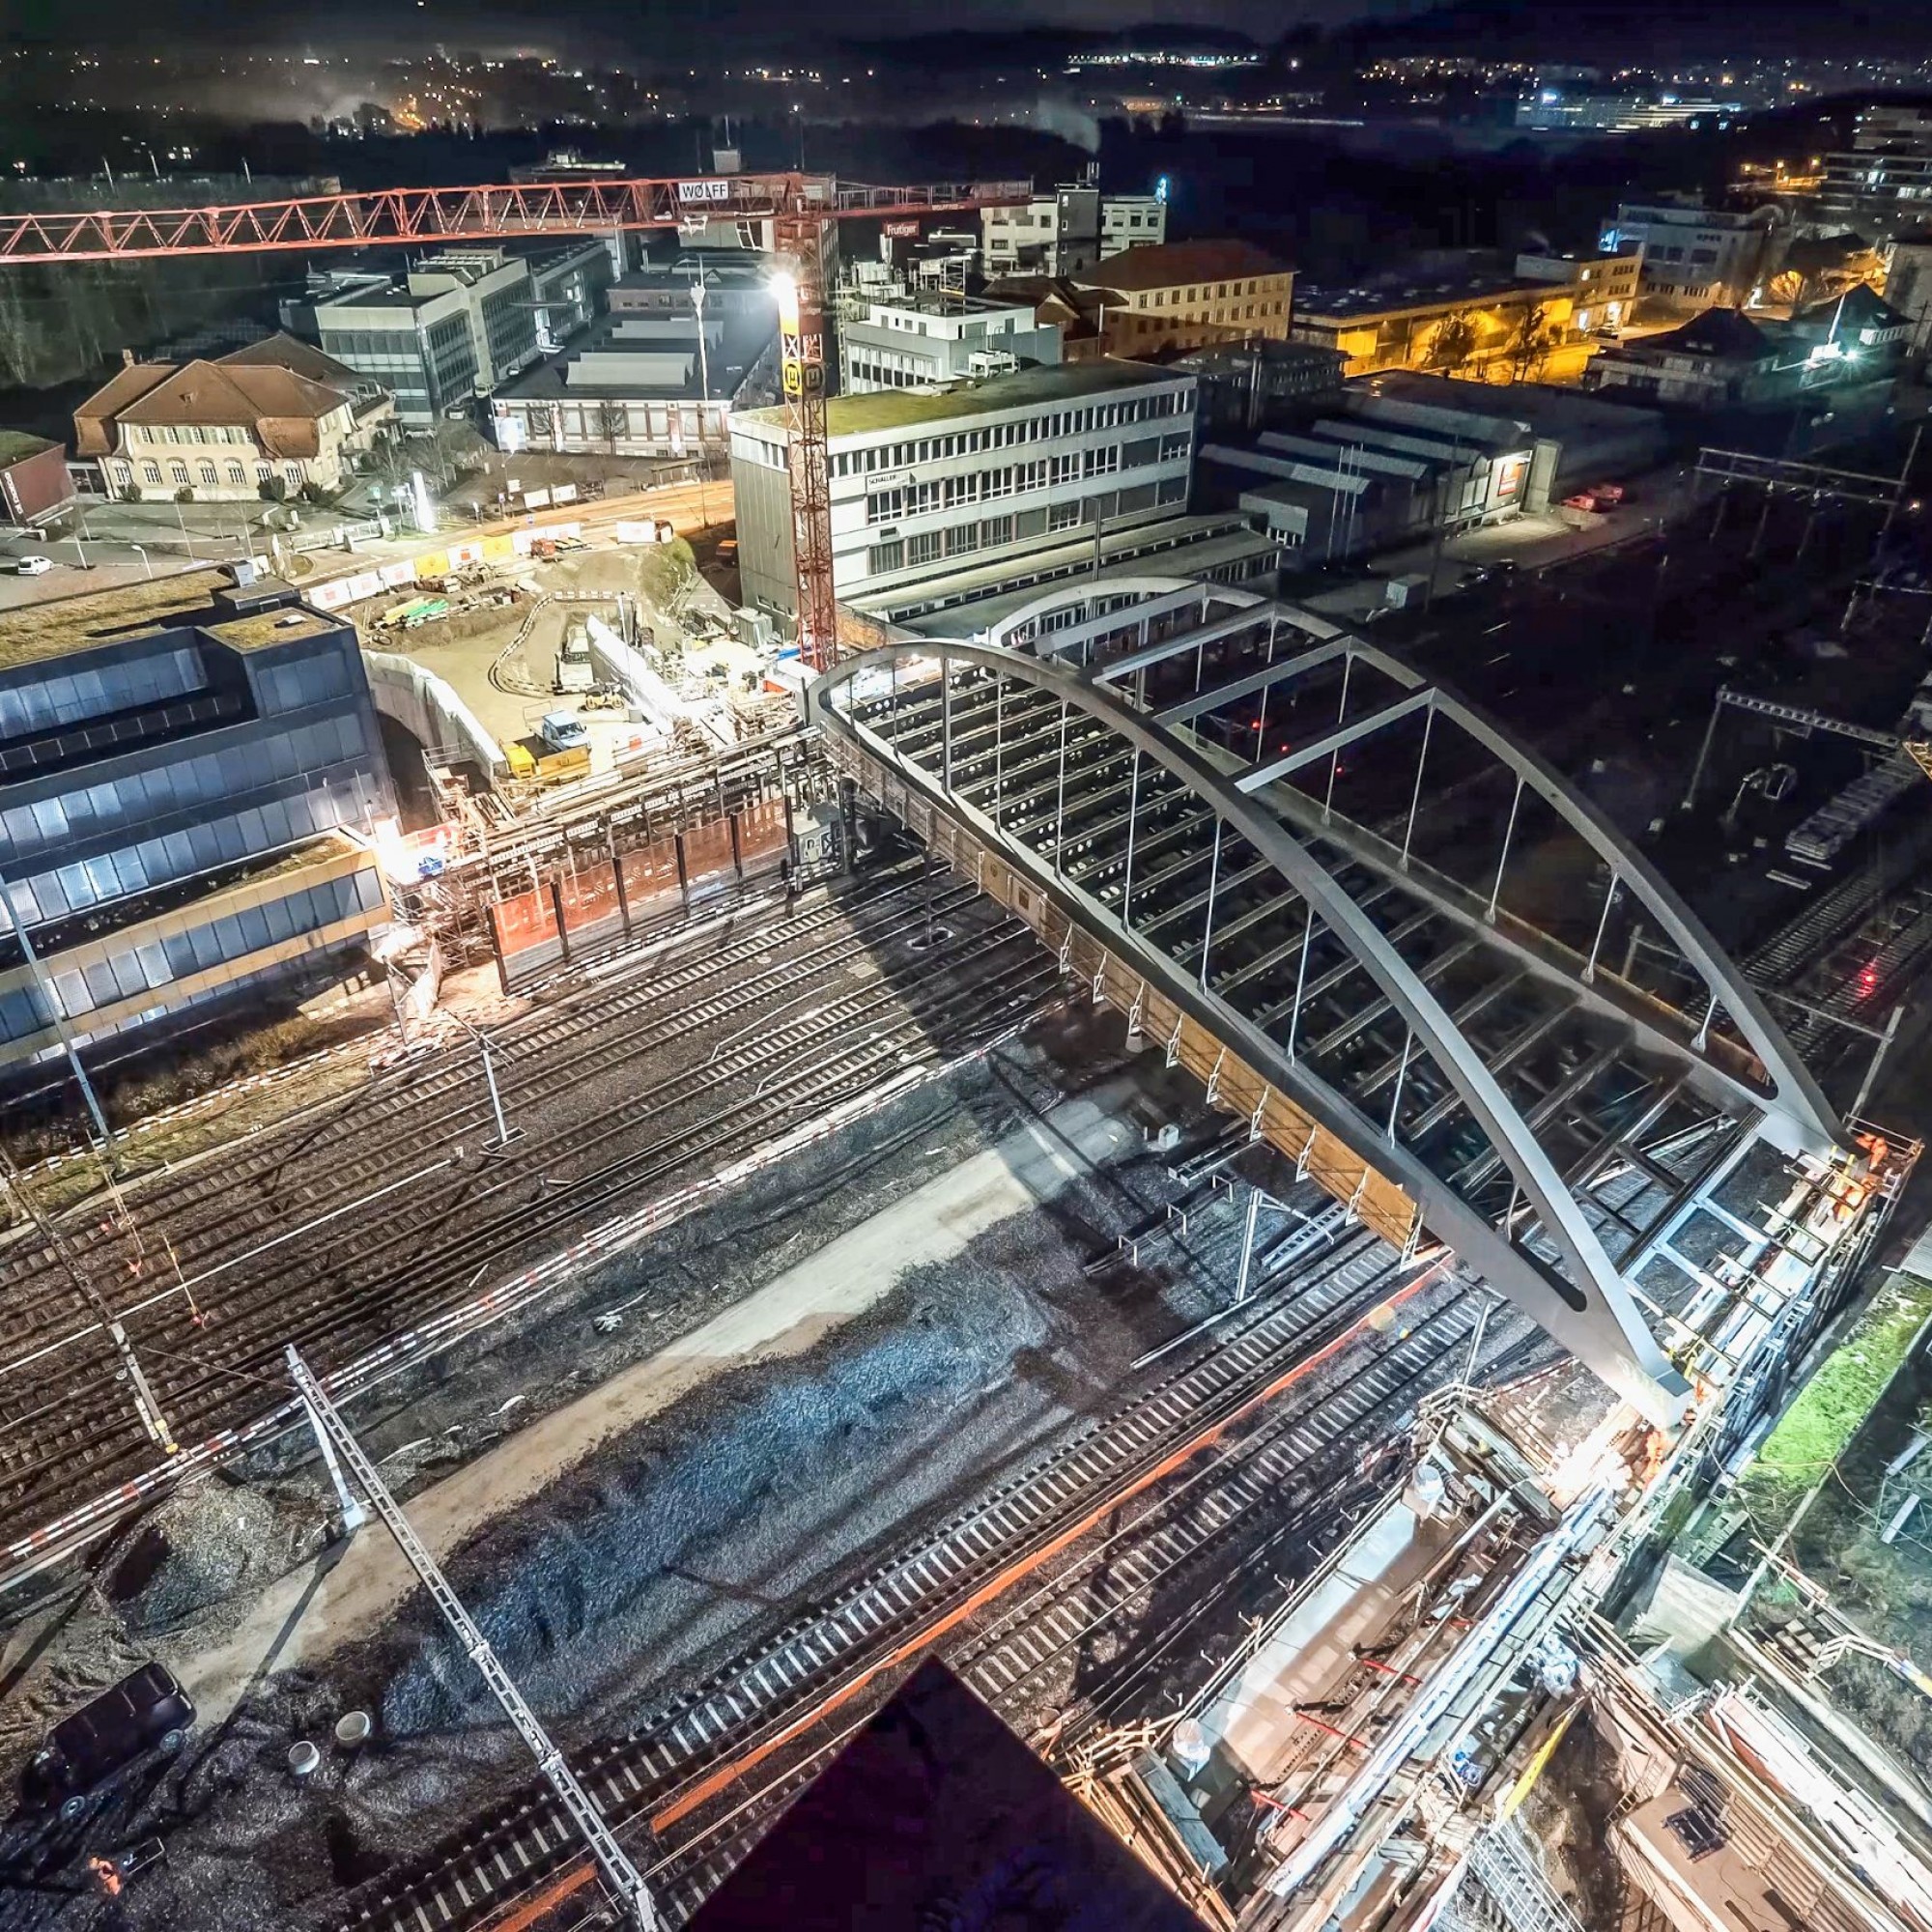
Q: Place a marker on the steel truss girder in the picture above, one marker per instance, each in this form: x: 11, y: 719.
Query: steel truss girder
x: 1587, y: 1307
x: 1798, y: 1118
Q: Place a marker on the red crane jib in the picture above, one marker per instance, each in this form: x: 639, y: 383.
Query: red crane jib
x: 371, y: 218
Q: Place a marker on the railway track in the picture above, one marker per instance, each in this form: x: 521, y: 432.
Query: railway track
x: 699, y: 1744
x: 70, y: 1429
x: 1290, y: 1484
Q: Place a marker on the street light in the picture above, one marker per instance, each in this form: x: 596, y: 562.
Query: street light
x: 145, y: 558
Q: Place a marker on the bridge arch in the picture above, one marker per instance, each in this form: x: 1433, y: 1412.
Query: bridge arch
x: 1230, y: 792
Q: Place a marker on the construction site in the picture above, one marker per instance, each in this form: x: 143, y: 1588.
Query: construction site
x: 1286, y: 1249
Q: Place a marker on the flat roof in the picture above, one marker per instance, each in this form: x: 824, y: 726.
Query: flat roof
x: 903, y: 408
x: 16, y: 446
x: 1403, y: 298
x: 279, y: 624
x: 33, y: 632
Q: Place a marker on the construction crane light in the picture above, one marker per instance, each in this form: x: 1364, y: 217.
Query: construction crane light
x: 785, y: 289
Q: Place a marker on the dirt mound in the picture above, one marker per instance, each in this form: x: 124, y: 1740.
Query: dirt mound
x: 209, y: 1540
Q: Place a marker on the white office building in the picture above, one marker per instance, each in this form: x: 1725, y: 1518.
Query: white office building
x: 1696, y: 257
x: 1131, y: 221
x: 922, y: 342
x: 1067, y: 230
x: 920, y: 484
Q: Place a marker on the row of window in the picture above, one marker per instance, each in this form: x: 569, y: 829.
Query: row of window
x: 162, y: 860
x: 1049, y: 427
x: 918, y: 499
x: 145, y: 968
x: 182, y: 783
x: 209, y: 477
x: 1205, y: 291
x: 309, y: 680
x: 1137, y: 325
x: 926, y: 546
x: 50, y: 702
x: 138, y: 432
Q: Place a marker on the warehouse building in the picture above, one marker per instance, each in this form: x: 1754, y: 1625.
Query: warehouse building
x: 178, y: 766
x: 1398, y: 456
x: 989, y: 471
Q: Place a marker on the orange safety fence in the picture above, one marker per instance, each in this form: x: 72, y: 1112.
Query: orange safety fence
x: 528, y: 920
x: 761, y: 835
x: 707, y: 853
x: 588, y: 898
x: 650, y: 874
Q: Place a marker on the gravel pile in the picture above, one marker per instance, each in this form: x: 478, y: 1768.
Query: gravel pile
x: 209, y: 1540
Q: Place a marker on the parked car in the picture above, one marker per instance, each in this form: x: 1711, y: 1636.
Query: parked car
x: 32, y: 566
x: 146, y: 1712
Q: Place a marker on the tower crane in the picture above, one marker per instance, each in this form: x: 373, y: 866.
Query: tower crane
x: 802, y: 209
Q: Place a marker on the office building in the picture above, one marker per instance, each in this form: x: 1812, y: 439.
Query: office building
x: 567, y: 288
x: 1131, y: 221
x: 464, y: 322
x: 1068, y: 229
x: 923, y: 342
x: 1191, y: 295
x: 1500, y: 317
x: 1696, y: 257
x: 178, y: 762
x: 651, y: 378
x: 272, y: 419
x: 919, y: 483
x: 1883, y: 183
x: 1243, y: 385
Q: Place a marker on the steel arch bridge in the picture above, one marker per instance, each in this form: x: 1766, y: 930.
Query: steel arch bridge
x: 1409, y: 931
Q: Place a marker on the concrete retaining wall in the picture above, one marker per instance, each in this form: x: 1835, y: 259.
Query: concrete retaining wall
x: 428, y: 708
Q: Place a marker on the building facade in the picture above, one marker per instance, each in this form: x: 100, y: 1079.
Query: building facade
x: 661, y: 375
x: 1192, y: 295
x: 1697, y: 257
x: 465, y: 321
x: 567, y: 288
x: 1054, y: 233
x: 260, y: 422
x: 920, y: 482
x: 1131, y: 221
x: 177, y: 765
x: 921, y: 343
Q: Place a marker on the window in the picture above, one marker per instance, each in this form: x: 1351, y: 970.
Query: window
x: 236, y: 474
x: 925, y: 548
x: 263, y: 473
x: 884, y: 556
x: 151, y: 472
x: 292, y: 475
x: 1062, y: 516
x: 208, y: 473
x: 178, y: 472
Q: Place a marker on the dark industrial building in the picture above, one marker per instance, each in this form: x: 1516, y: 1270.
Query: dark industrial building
x: 35, y: 486
x: 189, y: 775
